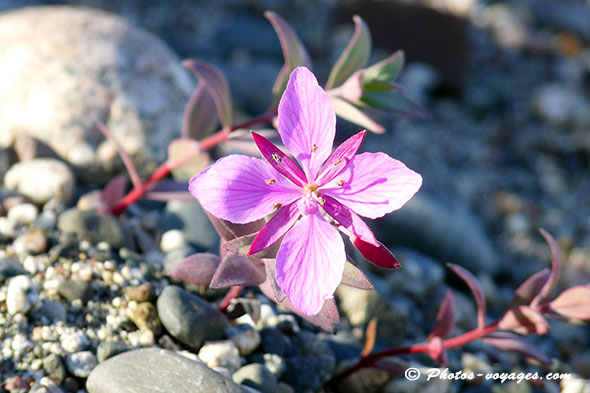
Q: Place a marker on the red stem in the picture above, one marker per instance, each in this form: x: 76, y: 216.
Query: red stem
x: 164, y: 169
x: 449, y: 343
x: 233, y: 293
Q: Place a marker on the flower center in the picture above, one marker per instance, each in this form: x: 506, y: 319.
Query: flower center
x: 311, y: 189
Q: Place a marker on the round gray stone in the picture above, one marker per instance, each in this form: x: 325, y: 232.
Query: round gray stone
x: 257, y: 376
x: 155, y: 370
x: 93, y: 226
x: 188, y: 318
x: 63, y: 68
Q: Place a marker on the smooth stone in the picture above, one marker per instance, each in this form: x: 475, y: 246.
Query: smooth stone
x: 141, y: 293
x: 188, y: 318
x: 22, y: 214
x: 145, y: 316
x: 108, y: 349
x: 41, y: 179
x: 63, y: 68
x: 53, y: 365
x: 53, y: 311
x: 81, y: 364
x: 155, y: 370
x: 190, y: 217
x: 10, y: 268
x: 20, y: 295
x: 222, y: 354
x: 559, y: 104
x: 73, y: 341
x: 245, y: 338
x: 257, y: 376
x: 172, y: 240
x: 93, y: 227
x: 75, y: 289
x: 34, y: 241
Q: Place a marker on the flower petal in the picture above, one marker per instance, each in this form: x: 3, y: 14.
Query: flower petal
x: 340, y: 158
x: 378, y: 255
x: 349, y: 220
x: 310, y: 263
x: 275, y: 228
x: 307, y: 121
x: 279, y: 160
x: 236, y: 188
x: 374, y: 184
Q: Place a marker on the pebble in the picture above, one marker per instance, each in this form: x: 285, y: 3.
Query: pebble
x: 257, y: 376
x: 141, y: 293
x: 53, y: 311
x: 95, y: 66
x: 190, y: 217
x: 154, y: 370
x: 559, y: 104
x: 22, y: 214
x: 73, y: 341
x: 41, y: 179
x: 75, y: 289
x: 367, y: 380
x: 47, y: 220
x: 274, y: 363
x: 172, y: 240
x: 435, y: 385
x: 145, y: 316
x: 81, y: 364
x: 94, y: 227
x: 221, y: 354
x: 188, y: 318
x: 53, y: 366
x: 34, y: 241
x: 245, y: 338
x: 108, y: 349
x: 20, y: 295
x: 10, y: 268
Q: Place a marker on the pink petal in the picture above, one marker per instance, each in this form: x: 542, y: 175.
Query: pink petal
x: 378, y: 255
x: 279, y: 160
x: 348, y: 220
x: 374, y: 184
x: 307, y: 121
x: 310, y: 263
x: 275, y: 228
x: 340, y: 158
x: 236, y: 188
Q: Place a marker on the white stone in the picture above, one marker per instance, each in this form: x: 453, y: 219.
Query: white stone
x: 73, y: 341
x: 63, y: 68
x: 221, y: 354
x: 246, y: 340
x: 20, y: 295
x: 41, y: 179
x: 22, y: 214
x: 172, y: 240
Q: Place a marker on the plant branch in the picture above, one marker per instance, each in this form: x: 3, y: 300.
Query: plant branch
x: 232, y: 294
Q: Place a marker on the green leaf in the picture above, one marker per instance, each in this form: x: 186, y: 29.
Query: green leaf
x: 186, y: 158
x: 355, y: 55
x: 217, y: 86
x: 200, y: 116
x: 293, y: 50
x: 391, y: 100
x: 386, y: 70
x: 349, y: 112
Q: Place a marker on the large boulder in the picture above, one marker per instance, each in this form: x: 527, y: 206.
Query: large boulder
x: 64, y: 68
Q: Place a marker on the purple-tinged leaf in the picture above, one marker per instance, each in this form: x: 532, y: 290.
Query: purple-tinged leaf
x: 271, y: 281
x: 228, y: 230
x: 435, y: 347
x: 338, y: 160
x: 524, y: 320
x: 217, y: 86
x: 186, y: 158
x: 545, y: 292
x: 197, y: 269
x: 445, y: 318
x: 349, y: 112
x: 122, y: 153
x: 507, y: 341
x: 241, y: 246
x: 386, y: 70
x: 279, y: 160
x: 392, y: 100
x: 354, y: 277
x: 351, y: 90
x: 370, y: 336
x: 200, y: 115
x: 475, y: 288
x: 293, y: 50
x: 527, y: 291
x: 573, y: 303
x: 355, y: 55
x: 379, y: 256
x: 237, y: 270
x: 114, y: 191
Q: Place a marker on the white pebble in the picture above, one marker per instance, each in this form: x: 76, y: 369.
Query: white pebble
x: 6, y: 227
x: 245, y: 339
x: 221, y: 354
x: 81, y: 363
x: 172, y: 240
x: 20, y: 295
x: 22, y: 214
x: 73, y: 341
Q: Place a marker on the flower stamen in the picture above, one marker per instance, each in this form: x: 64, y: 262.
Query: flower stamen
x: 277, y: 206
x: 339, y: 182
x: 270, y: 181
x: 337, y: 162
x: 314, y: 148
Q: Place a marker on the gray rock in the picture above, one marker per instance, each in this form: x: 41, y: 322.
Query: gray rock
x: 75, y: 289
x: 188, y: 318
x: 154, y: 370
x: 190, y: 217
x: 81, y: 364
x: 41, y: 179
x: 445, y: 233
x: 94, y: 227
x: 10, y: 268
x: 73, y: 66
x: 145, y: 316
x: 53, y: 311
x: 257, y: 376
x: 53, y: 365
x: 108, y: 349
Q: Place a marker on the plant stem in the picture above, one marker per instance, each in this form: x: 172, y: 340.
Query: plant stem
x: 164, y: 169
x: 449, y: 343
x: 233, y: 293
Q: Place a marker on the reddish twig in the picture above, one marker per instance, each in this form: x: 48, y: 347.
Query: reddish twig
x: 232, y: 294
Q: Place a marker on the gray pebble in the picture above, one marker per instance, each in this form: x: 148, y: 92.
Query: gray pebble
x: 155, y: 370
x: 75, y: 289
x: 93, y: 226
x: 257, y: 376
x: 81, y: 364
x: 53, y: 311
x: 41, y: 179
x: 53, y: 366
x: 188, y: 318
x: 33, y: 241
x: 190, y: 217
x: 10, y: 268
x: 108, y: 349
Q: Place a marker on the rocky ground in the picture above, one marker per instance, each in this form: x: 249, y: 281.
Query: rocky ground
x: 506, y: 151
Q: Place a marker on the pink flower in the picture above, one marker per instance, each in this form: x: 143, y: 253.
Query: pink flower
x: 311, y: 257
